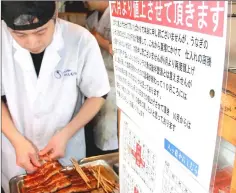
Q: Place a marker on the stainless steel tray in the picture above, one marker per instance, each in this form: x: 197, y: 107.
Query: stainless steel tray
x: 233, y: 70
x: 17, y: 182
x: 111, y: 159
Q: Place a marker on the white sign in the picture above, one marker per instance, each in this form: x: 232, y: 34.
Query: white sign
x: 169, y: 61
x: 145, y: 166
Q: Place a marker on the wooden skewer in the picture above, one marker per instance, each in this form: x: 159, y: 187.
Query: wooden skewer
x: 112, y: 184
x: 104, y: 187
x: 99, y: 175
x: 107, y: 185
x: 83, y: 176
x: 98, y: 181
x: 109, y: 188
x: 108, y: 181
x: 81, y: 172
x: 95, y: 174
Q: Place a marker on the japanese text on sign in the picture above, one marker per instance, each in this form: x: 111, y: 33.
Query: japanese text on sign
x: 181, y: 157
x: 139, y: 157
x: 141, y: 81
x: 202, y: 16
x: 171, y: 181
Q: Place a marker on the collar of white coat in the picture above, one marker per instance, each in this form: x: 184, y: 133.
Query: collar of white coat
x: 34, y: 85
x: 51, y: 54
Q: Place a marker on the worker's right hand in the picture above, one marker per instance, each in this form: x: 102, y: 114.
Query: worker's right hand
x: 110, y: 49
x: 26, y: 155
x: 93, y: 31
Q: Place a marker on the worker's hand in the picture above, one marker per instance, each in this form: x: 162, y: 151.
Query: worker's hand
x: 26, y: 155
x: 110, y: 49
x: 93, y: 31
x: 56, y: 147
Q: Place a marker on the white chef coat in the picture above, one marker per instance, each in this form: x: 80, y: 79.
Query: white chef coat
x: 72, y: 67
x: 105, y: 123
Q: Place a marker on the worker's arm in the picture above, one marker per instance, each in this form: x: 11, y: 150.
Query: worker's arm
x: 118, y: 123
x: 87, y: 112
x: 26, y: 154
x: 57, y: 144
x: 104, y: 43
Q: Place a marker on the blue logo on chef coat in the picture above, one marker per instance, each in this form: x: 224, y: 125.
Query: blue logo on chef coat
x: 59, y: 74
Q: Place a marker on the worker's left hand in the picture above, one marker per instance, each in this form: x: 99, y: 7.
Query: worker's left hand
x: 56, y: 147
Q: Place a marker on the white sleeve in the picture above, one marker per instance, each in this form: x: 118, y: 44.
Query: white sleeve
x: 94, y: 80
x: 2, y: 88
x: 2, y: 91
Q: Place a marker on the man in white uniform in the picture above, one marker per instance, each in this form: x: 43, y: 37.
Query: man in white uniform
x: 48, y: 67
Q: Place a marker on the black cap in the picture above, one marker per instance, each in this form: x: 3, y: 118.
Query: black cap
x: 27, y: 15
